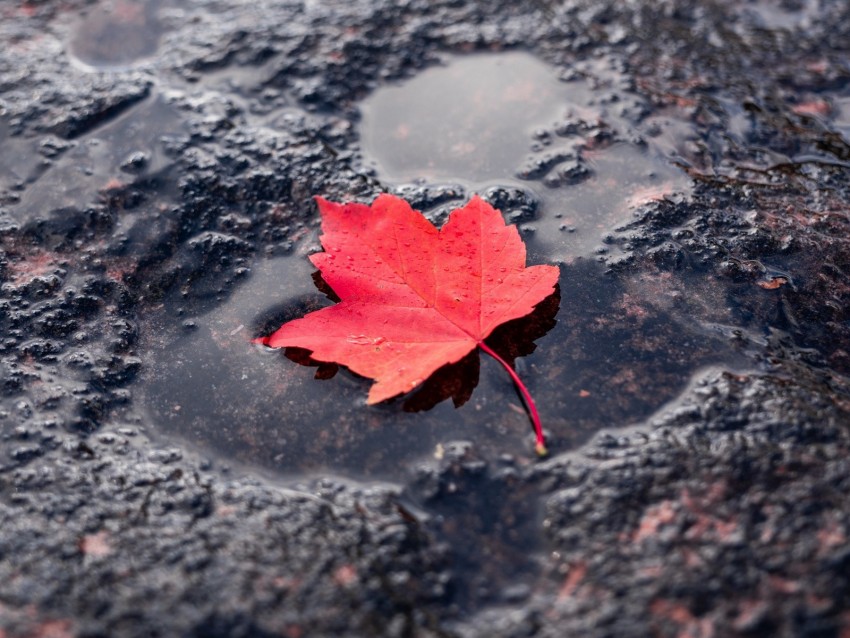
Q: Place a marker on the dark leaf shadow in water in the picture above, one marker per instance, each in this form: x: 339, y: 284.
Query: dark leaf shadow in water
x: 273, y: 318
x: 511, y: 340
x: 454, y: 380
x: 324, y: 287
x: 302, y: 357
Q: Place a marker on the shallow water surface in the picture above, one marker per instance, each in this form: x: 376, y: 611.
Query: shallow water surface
x: 72, y: 173
x: 470, y: 119
x: 211, y: 384
x: 506, y: 120
x: 208, y: 383
x: 609, y: 351
x: 118, y: 34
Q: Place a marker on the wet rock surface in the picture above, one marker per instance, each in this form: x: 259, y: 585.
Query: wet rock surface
x: 141, y: 186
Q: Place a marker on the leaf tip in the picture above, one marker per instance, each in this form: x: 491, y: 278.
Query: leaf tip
x: 377, y: 394
x: 477, y: 201
x: 321, y: 202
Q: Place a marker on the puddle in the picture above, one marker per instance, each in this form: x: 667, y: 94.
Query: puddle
x: 20, y: 165
x: 615, y: 354
x: 469, y: 120
x: 75, y: 173
x: 778, y: 15
x: 119, y: 34
x: 507, y: 120
x: 575, y: 220
x: 208, y: 384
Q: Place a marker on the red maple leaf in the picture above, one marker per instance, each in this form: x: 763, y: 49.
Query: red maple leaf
x: 414, y: 298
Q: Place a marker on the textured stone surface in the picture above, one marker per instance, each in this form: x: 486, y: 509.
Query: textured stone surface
x: 151, y: 185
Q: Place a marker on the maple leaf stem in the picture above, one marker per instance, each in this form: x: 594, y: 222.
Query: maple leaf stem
x: 540, y: 444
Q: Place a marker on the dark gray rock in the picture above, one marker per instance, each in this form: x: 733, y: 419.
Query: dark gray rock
x: 724, y: 512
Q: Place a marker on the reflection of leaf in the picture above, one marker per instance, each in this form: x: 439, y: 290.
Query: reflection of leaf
x: 516, y: 338
x: 454, y: 381
x: 415, y: 298
x: 324, y: 288
x: 324, y: 370
x: 511, y: 340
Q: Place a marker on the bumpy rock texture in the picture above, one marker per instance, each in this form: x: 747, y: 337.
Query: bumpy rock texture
x: 724, y: 514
